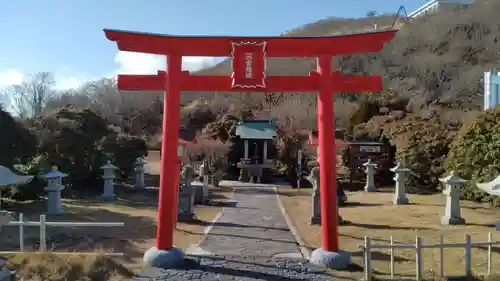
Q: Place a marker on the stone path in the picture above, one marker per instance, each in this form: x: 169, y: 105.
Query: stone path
x: 250, y: 241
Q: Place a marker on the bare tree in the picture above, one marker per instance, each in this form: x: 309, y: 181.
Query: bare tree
x: 29, y: 98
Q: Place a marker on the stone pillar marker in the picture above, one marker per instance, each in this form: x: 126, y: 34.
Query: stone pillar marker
x: 265, y: 152
x: 108, y: 193
x: 139, y: 172
x: 370, y: 176
x: 54, y: 188
x: 204, y: 173
x: 201, y: 189
x: 246, y: 156
x: 186, y: 211
x: 314, y: 179
x: 452, y: 185
x: 400, y: 179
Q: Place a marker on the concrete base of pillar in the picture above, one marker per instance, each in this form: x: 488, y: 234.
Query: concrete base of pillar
x: 108, y: 198
x: 186, y: 217
x: 334, y: 260
x: 497, y: 226
x: 52, y: 212
x: 317, y: 220
x: 452, y: 221
x: 314, y: 220
x: 401, y: 201
x: 370, y: 188
x: 171, y: 258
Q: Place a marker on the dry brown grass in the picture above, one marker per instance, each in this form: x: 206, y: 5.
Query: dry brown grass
x: 137, y: 209
x: 373, y: 215
x: 51, y: 267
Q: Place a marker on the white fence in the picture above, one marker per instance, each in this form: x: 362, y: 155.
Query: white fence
x: 43, y: 224
x: 418, y: 246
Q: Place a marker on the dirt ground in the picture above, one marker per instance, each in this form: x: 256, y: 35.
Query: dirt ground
x: 137, y: 209
x: 374, y: 215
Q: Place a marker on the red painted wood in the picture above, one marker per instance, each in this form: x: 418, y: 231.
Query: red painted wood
x: 168, y: 197
x: 323, y: 81
x: 326, y: 127
x: 276, y: 46
x: 340, y: 83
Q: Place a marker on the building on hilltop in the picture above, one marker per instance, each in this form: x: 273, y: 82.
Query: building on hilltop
x: 491, y: 93
x: 435, y: 5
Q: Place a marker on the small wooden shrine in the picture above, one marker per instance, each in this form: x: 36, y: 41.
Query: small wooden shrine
x: 358, y: 152
x: 340, y: 140
x: 186, y: 137
x: 257, y: 136
x: 340, y: 144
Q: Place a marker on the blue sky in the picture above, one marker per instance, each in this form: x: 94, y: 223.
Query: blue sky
x: 66, y: 37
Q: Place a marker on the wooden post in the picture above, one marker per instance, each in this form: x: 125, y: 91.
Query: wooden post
x: 392, y: 258
x: 169, y: 176
x: 368, y: 260
x: 489, y: 252
x: 299, y: 167
x: 329, y: 214
x: 418, y: 257
x: 468, y: 254
x: 441, y: 256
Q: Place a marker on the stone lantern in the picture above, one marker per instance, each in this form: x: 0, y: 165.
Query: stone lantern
x: 139, y: 172
x: 370, y: 176
x: 54, y: 188
x: 452, y: 185
x: 400, y: 178
x: 109, y: 176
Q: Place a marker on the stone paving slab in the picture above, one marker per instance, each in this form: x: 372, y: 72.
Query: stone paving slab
x: 254, y: 227
x: 225, y: 268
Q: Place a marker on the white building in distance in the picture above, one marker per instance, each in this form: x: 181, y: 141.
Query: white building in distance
x: 435, y: 5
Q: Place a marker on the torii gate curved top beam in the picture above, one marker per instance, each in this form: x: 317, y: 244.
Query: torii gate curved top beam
x: 277, y: 46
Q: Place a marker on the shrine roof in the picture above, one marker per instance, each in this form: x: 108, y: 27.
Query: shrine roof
x: 187, y: 135
x: 256, y: 129
x: 243, y: 37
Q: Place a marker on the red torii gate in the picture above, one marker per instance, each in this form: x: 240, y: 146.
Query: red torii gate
x: 248, y: 56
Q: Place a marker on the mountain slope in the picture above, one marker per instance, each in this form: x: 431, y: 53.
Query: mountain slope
x: 437, y: 59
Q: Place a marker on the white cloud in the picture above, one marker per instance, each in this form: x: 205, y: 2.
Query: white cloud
x: 64, y: 79
x: 138, y: 63
x: 10, y: 77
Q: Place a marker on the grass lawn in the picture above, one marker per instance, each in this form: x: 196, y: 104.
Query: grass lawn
x: 374, y: 215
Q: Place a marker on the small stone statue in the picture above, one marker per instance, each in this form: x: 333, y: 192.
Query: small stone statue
x: 313, y: 178
x: 186, y: 211
x: 187, y: 174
